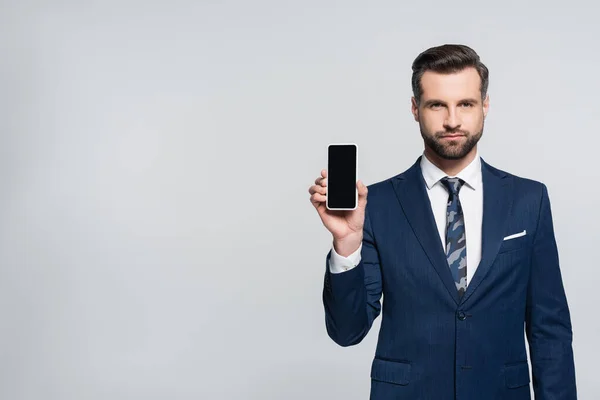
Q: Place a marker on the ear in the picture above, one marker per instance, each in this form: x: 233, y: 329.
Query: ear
x: 414, y: 108
x: 486, y: 105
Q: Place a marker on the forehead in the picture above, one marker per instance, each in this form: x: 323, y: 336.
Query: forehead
x: 465, y: 83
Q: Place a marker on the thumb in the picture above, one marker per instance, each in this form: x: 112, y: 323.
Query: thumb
x: 362, y: 192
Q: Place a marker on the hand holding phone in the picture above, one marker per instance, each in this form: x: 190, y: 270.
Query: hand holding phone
x: 342, y: 193
x: 345, y: 223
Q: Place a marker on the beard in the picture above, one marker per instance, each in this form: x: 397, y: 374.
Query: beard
x: 451, y: 150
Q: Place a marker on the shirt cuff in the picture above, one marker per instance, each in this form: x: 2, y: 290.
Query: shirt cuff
x: 338, y: 263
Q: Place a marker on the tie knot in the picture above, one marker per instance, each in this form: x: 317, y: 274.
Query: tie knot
x: 452, y: 185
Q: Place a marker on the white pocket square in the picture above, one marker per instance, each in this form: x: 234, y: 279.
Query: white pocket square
x: 516, y: 235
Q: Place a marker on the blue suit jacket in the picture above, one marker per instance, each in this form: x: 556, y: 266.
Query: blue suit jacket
x: 434, y: 345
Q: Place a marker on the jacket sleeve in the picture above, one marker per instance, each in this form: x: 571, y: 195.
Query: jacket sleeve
x: 548, y: 321
x: 352, y: 298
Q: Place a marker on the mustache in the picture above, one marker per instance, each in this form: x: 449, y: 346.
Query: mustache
x: 452, y: 132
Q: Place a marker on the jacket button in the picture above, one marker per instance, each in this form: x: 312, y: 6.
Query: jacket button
x: 461, y: 315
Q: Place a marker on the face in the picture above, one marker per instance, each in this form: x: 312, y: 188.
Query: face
x: 451, y: 113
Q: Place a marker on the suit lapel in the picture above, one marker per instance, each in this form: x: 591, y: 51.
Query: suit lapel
x: 411, y: 192
x: 497, y: 204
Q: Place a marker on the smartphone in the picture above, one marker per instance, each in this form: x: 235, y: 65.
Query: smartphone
x: 342, y: 193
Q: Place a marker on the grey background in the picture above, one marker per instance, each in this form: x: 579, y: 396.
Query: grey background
x: 156, y: 235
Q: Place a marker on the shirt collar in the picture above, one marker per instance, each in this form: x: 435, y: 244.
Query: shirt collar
x: 471, y: 174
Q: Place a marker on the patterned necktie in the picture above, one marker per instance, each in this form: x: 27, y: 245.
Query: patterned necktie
x: 456, y: 241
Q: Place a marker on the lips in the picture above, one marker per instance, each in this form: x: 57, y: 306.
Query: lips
x: 451, y: 136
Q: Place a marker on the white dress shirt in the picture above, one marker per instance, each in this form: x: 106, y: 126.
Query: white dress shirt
x: 471, y: 200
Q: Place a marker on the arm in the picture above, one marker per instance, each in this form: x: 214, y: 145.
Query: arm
x: 548, y: 322
x: 352, y: 298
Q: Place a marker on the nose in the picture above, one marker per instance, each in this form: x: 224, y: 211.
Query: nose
x: 452, y: 121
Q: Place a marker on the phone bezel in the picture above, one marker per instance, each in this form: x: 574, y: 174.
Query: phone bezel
x: 356, y: 174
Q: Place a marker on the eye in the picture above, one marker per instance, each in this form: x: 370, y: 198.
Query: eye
x: 435, y: 105
x: 467, y: 104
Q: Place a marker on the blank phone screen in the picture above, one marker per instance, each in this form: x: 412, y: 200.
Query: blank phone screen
x: 341, y: 176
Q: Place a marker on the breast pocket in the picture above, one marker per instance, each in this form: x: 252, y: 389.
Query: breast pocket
x: 514, y: 242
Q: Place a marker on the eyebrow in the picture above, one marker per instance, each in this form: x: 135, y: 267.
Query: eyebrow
x: 434, y: 101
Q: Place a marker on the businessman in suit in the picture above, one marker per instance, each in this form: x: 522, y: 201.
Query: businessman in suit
x: 463, y: 255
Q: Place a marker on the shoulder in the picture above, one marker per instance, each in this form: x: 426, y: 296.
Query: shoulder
x: 523, y: 186
x: 385, y: 187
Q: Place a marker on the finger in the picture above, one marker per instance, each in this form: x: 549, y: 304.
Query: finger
x: 362, y: 191
x: 321, y: 181
x: 317, y: 189
x: 317, y: 198
x: 324, y: 173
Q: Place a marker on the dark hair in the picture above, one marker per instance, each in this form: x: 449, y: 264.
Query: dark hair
x: 446, y: 59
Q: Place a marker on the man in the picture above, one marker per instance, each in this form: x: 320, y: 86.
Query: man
x: 463, y: 253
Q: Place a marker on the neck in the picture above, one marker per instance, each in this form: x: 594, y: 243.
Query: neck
x: 450, y: 167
